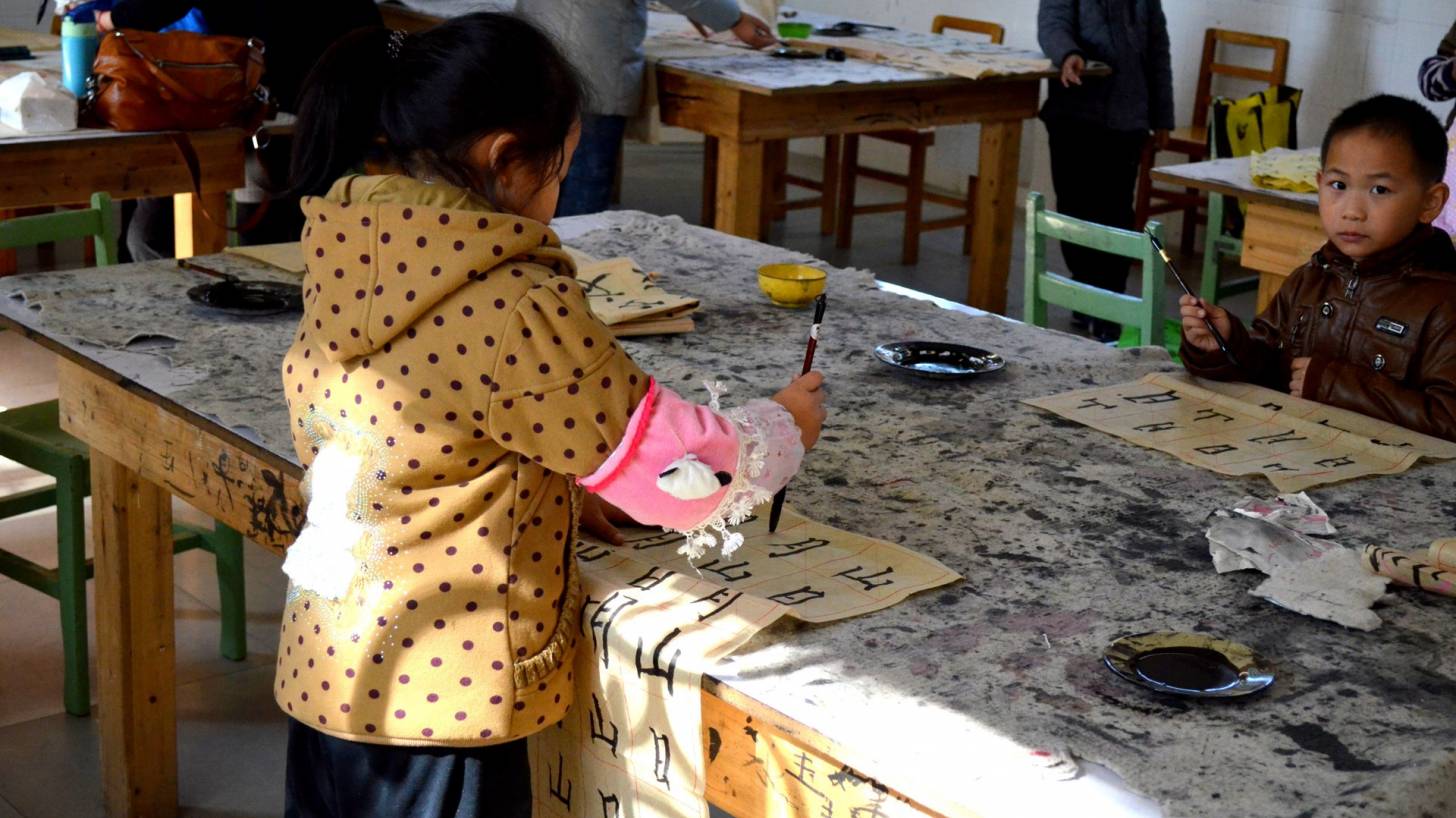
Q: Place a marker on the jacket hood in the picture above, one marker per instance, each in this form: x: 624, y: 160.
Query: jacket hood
x: 374, y: 267
x: 1426, y: 249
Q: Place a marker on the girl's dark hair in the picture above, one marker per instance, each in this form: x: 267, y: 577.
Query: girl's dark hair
x: 419, y: 102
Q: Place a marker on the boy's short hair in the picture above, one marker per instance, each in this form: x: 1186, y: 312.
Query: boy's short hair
x: 1401, y: 118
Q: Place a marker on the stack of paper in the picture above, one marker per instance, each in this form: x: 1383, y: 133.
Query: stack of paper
x: 1282, y: 169
x: 628, y: 300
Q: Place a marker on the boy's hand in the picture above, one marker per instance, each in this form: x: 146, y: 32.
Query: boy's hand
x: 1193, y: 311
x: 805, y: 401
x: 1297, y: 368
x: 1072, y: 68
x: 753, y: 31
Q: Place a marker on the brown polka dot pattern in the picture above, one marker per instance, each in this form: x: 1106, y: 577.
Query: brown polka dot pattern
x: 466, y: 498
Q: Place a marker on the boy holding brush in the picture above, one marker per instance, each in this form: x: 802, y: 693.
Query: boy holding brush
x: 1369, y: 323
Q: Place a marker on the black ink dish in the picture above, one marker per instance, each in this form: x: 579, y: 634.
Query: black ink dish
x: 933, y: 359
x: 248, y: 298
x: 1188, y: 664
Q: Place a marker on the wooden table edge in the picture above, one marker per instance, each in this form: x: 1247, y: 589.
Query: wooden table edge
x: 667, y: 65
x: 1218, y: 186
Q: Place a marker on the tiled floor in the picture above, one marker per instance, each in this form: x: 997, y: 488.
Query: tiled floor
x: 231, y: 738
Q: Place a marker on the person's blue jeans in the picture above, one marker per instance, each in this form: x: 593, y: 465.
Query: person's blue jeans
x: 588, y: 184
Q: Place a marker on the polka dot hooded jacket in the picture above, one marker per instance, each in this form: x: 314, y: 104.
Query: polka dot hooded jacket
x: 450, y: 393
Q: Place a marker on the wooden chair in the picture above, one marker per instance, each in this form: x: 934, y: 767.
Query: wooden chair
x: 913, y: 180
x: 1192, y: 141
x: 32, y: 436
x: 1141, y: 316
x: 777, y: 180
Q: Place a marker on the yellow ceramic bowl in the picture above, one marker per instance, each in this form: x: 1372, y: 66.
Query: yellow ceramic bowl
x: 791, y: 285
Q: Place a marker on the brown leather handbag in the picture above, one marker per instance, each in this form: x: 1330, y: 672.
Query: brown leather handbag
x: 146, y: 81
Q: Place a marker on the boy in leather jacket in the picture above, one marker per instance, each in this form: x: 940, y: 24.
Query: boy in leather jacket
x: 1369, y: 323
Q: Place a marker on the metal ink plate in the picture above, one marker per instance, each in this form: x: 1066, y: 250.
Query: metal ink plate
x: 1188, y: 664
x: 248, y: 298
x: 933, y: 359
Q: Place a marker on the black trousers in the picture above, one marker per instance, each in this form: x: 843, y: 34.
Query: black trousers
x: 1094, y: 174
x: 330, y: 777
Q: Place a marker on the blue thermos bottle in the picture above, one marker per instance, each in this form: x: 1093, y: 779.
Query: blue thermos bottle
x: 79, y: 41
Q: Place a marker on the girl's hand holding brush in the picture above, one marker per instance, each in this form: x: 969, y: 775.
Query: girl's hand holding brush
x: 804, y: 398
x: 1193, y: 312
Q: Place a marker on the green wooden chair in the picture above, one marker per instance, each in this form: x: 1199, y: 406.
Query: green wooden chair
x: 32, y: 436
x: 1141, y: 317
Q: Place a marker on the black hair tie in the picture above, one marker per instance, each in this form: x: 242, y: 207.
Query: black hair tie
x: 396, y: 41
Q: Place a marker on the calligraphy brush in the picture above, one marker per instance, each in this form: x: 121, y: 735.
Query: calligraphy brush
x: 1207, y: 322
x: 187, y: 264
x: 819, y: 304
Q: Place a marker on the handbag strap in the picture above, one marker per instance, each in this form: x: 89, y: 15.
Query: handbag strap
x: 194, y: 168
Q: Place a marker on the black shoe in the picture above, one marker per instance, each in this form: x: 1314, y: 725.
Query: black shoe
x: 1106, y: 331
x: 1081, y: 321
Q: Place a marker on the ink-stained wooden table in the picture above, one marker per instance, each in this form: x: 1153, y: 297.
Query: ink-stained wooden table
x: 1281, y: 228
x: 950, y: 699
x: 66, y: 168
x: 744, y: 102
x: 747, y: 102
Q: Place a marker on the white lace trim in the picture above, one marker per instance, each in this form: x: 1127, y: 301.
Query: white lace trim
x: 744, y: 493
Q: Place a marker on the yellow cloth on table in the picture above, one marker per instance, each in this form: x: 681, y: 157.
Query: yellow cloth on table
x: 1281, y: 169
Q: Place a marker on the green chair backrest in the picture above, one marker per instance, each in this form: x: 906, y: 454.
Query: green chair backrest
x: 95, y: 222
x: 1043, y: 287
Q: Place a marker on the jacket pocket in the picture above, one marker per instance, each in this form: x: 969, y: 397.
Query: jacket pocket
x: 1387, y: 345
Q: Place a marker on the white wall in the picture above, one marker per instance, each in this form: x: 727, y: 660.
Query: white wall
x: 1340, y: 51
x: 21, y: 14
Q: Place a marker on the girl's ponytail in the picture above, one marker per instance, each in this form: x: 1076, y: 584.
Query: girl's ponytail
x: 339, y: 110
x: 418, y: 104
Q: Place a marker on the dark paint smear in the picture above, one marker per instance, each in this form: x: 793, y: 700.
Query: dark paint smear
x: 1317, y: 739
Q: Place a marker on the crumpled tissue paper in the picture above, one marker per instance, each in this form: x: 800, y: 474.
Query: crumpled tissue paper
x: 31, y: 104
x: 1307, y: 574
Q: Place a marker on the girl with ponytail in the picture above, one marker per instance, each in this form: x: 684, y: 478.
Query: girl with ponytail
x: 460, y: 412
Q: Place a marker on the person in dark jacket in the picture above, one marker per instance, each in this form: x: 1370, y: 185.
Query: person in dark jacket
x: 1369, y: 324
x: 294, y: 36
x: 1099, y: 125
x: 1438, y: 73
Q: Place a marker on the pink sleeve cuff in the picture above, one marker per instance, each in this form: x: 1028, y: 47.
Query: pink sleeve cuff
x: 687, y: 467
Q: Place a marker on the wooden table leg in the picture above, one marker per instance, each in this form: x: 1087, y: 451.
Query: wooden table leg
x: 710, y: 180
x: 995, y: 215
x: 135, y: 641
x: 740, y: 187
x: 8, y: 260
x: 196, y: 234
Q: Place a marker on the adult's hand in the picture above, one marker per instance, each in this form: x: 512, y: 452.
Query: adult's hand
x: 103, y: 22
x: 753, y: 31
x: 1072, y: 68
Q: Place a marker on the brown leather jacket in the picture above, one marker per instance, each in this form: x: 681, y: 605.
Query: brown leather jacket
x: 1380, y: 334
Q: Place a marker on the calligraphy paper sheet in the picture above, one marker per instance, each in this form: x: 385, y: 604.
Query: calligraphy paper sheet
x: 1242, y: 429
x: 652, y: 624
x: 287, y: 256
